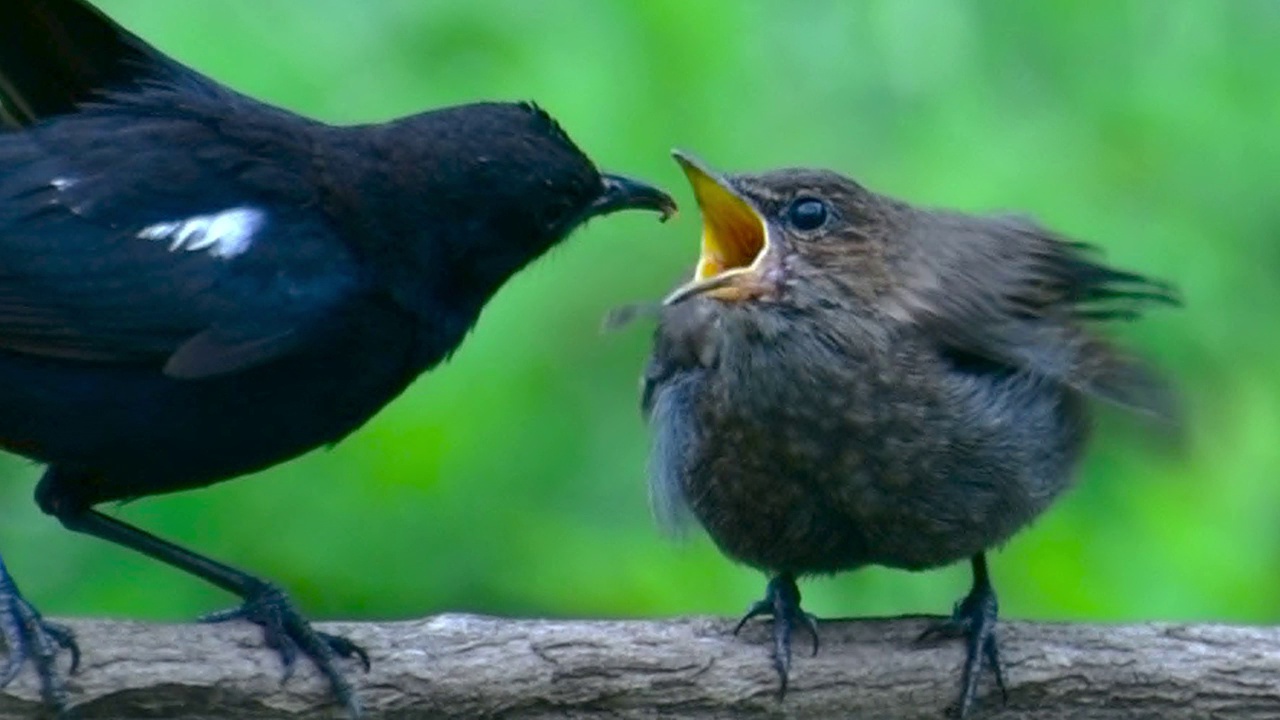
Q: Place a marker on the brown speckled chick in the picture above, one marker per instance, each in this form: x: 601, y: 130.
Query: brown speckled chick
x: 849, y: 380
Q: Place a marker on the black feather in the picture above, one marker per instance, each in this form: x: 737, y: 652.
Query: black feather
x: 57, y: 54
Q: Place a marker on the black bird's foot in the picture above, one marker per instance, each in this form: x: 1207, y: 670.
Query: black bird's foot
x: 782, y: 603
x: 974, y: 619
x: 30, y: 638
x: 288, y: 633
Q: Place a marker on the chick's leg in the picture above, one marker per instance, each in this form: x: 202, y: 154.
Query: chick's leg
x: 782, y: 603
x: 974, y: 619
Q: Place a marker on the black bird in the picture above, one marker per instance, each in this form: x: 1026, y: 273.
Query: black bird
x: 195, y: 285
x: 849, y: 380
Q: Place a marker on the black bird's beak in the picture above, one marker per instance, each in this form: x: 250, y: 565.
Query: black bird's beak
x: 623, y: 193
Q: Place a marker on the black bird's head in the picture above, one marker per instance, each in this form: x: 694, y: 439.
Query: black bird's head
x: 788, y: 236
x: 495, y: 185
x: 444, y: 205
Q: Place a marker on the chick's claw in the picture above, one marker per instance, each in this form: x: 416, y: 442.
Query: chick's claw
x: 973, y: 619
x: 782, y: 603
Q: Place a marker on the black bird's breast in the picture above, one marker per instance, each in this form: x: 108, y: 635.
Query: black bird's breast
x: 134, y: 431
x: 805, y: 446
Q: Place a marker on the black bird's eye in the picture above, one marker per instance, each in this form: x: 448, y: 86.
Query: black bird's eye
x: 807, y: 213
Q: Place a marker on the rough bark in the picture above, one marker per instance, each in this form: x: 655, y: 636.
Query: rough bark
x: 463, y: 666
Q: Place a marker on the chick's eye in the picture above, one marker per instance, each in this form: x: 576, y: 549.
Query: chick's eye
x: 807, y: 214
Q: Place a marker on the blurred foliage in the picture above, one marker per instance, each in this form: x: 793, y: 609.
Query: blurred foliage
x: 512, y: 480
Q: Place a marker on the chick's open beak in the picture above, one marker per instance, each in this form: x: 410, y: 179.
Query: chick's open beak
x: 734, y: 238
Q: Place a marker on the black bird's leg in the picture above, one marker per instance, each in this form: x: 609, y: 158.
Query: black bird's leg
x: 29, y: 637
x: 283, y: 627
x: 782, y: 603
x: 974, y: 619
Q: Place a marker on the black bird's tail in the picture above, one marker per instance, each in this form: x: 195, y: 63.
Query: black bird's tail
x: 56, y: 54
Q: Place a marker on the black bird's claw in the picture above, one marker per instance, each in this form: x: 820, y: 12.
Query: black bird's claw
x: 288, y: 633
x: 29, y: 637
x: 782, y: 603
x: 974, y: 619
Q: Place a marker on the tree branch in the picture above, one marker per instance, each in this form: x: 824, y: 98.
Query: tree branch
x: 464, y: 666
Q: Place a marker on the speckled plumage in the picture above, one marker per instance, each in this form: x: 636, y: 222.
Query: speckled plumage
x: 810, y: 453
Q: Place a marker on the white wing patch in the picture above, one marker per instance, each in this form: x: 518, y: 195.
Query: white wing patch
x: 224, y: 234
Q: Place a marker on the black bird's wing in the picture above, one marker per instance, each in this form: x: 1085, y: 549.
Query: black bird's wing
x: 150, y: 215
x: 1010, y: 292
x: 112, y: 251
x: 56, y: 54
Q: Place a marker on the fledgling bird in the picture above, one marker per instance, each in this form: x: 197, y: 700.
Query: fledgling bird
x: 849, y: 380
x: 195, y: 285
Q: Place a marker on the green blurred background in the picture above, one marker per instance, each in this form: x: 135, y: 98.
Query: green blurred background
x: 512, y: 480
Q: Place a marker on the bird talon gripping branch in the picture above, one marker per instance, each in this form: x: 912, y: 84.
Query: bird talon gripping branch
x: 29, y: 638
x: 286, y: 631
x: 974, y: 620
x: 848, y: 380
x: 782, y: 603
x: 197, y: 285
